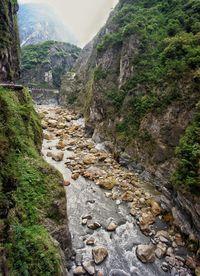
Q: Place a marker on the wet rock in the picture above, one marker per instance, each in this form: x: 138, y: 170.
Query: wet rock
x: 52, y: 123
x: 75, y: 176
x: 99, y: 254
x: 108, y: 183
x: 190, y: 262
x: 49, y: 154
x: 128, y: 196
x: 94, y: 225
x: 162, y: 233
x: 147, y: 218
x: 84, y: 221
x: 61, y: 145
x: 118, y: 202
x: 165, y: 267
x: 44, y: 124
x: 178, y: 240
x: 133, y: 212
x: 91, y: 241
x: 170, y: 251
x: 48, y: 136
x: 108, y: 195
x: 66, y: 183
x: 61, y: 125
x: 111, y: 227
x: 163, y: 240
x: 89, y: 267
x: 142, y: 200
x: 161, y: 250
x: 57, y: 156
x: 89, y: 159
x: 86, y: 217
x: 146, y: 253
x: 79, y: 270
x: 197, y: 271
x: 171, y: 260
x: 155, y: 207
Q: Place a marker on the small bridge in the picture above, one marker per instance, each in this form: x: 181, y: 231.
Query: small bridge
x: 12, y: 86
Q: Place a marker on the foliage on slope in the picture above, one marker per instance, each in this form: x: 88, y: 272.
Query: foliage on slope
x: 187, y: 174
x: 168, y: 56
x: 29, y: 189
x: 138, y: 82
x: 36, y: 60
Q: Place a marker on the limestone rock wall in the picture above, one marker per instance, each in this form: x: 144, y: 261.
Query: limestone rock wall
x: 9, y: 41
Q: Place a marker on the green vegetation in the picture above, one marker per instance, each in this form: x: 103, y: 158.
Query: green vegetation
x: 99, y: 74
x: 187, y: 174
x: 44, y: 57
x: 166, y: 57
x: 28, y: 190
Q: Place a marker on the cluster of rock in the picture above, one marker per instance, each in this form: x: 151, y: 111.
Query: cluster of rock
x: 121, y: 186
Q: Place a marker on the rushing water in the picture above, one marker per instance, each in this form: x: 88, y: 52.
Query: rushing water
x: 84, y: 197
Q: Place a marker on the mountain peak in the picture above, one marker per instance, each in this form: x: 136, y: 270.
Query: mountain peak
x: 39, y: 22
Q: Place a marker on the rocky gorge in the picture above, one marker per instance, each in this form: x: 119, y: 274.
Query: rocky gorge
x: 115, y: 217
x: 107, y: 183
x: 139, y: 93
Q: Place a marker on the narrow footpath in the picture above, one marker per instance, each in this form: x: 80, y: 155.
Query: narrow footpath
x: 117, y: 225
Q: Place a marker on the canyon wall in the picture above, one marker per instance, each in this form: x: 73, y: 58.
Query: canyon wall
x: 137, y: 84
x: 9, y: 41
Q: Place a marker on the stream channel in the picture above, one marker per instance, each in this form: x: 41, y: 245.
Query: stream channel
x: 87, y: 199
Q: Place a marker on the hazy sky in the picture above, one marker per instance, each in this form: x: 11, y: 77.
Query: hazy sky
x: 84, y: 18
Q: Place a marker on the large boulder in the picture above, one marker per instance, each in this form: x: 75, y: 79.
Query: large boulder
x: 99, y: 254
x: 146, y: 253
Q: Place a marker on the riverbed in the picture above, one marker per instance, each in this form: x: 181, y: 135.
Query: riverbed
x: 86, y: 167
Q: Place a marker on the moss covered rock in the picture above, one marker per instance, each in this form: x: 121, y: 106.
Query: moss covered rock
x: 36, y: 239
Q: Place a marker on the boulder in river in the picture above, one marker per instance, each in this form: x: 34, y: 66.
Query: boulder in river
x: 89, y: 159
x: 197, y: 271
x: 58, y: 156
x: 61, y: 145
x: 128, y: 196
x: 161, y: 250
x: 108, y: 183
x: 89, y: 267
x: 146, y: 253
x: 93, y: 225
x: 155, y: 207
x: 66, y: 183
x: 52, y: 123
x: 99, y: 254
x: 48, y: 136
x: 111, y: 227
x: 90, y: 241
x: 147, y: 219
x: 79, y: 270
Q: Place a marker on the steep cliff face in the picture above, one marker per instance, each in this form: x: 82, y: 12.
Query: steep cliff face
x: 34, y: 235
x: 9, y: 46
x: 138, y: 85
x: 43, y: 65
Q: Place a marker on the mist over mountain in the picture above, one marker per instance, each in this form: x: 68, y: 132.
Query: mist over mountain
x: 39, y: 22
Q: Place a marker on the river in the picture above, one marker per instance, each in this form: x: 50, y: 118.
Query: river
x: 88, y: 202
